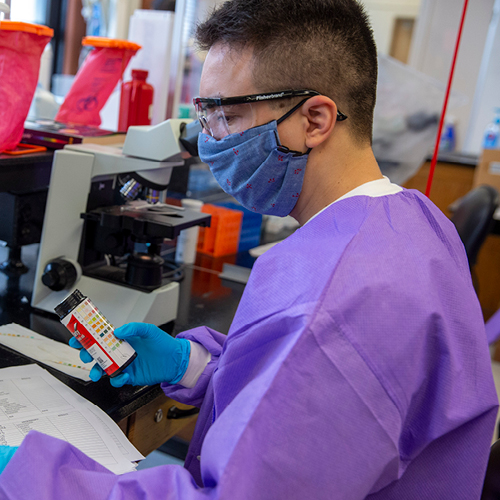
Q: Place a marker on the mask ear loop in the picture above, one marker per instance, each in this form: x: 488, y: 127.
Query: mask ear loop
x: 284, y: 149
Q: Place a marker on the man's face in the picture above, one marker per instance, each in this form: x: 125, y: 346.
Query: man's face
x: 228, y: 73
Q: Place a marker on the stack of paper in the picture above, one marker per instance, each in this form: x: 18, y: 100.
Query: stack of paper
x: 31, y: 398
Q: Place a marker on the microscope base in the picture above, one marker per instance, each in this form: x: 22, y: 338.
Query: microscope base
x: 121, y: 304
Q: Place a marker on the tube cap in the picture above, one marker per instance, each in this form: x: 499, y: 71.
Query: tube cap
x: 36, y: 29
x: 69, y: 303
x: 140, y: 73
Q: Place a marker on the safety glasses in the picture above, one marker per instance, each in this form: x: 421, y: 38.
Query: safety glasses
x: 222, y: 116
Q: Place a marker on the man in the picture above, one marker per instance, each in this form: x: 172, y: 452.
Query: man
x: 356, y: 365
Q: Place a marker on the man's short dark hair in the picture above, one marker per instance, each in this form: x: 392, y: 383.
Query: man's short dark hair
x: 322, y: 45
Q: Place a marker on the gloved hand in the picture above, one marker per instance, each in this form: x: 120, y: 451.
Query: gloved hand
x: 160, y: 357
x: 6, y: 453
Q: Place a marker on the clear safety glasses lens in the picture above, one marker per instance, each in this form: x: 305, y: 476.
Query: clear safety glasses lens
x: 221, y: 121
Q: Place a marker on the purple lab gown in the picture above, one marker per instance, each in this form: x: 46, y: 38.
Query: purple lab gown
x: 356, y: 367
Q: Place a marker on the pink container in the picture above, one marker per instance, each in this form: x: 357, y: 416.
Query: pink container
x: 21, y: 47
x: 96, y: 80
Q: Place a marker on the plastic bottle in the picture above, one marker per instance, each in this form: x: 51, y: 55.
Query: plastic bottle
x: 136, y: 102
x: 492, y: 132
x: 85, y: 322
x: 448, y: 137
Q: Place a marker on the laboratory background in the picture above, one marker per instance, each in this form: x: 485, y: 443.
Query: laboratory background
x: 87, y: 202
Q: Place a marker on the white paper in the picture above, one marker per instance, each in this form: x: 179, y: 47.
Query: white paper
x: 55, y: 354
x: 31, y: 398
x: 127, y: 449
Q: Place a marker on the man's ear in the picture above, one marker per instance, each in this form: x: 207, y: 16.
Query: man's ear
x: 321, y: 114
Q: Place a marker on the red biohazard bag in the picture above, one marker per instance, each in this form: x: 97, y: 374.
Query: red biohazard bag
x: 96, y: 80
x: 21, y: 47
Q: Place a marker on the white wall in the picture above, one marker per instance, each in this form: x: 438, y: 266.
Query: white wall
x: 434, y: 43
x: 383, y: 14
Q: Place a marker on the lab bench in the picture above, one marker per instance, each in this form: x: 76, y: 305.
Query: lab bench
x: 145, y: 414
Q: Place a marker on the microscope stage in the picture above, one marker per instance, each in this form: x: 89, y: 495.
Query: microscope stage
x: 145, y: 220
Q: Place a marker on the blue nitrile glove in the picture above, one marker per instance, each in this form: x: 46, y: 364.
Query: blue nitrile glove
x: 6, y: 453
x: 160, y: 357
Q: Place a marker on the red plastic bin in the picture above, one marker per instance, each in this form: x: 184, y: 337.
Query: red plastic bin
x: 96, y: 80
x: 21, y: 47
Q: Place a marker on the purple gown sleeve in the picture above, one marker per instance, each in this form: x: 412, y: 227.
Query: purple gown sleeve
x: 212, y: 341
x: 69, y: 474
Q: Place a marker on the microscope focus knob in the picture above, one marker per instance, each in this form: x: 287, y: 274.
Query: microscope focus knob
x: 59, y: 274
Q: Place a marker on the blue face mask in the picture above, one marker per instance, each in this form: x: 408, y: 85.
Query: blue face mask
x: 253, y: 167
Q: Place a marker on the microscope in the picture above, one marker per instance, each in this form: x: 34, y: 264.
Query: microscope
x: 98, y: 239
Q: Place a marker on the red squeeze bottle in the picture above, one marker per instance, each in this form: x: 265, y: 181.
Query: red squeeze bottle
x: 136, y: 103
